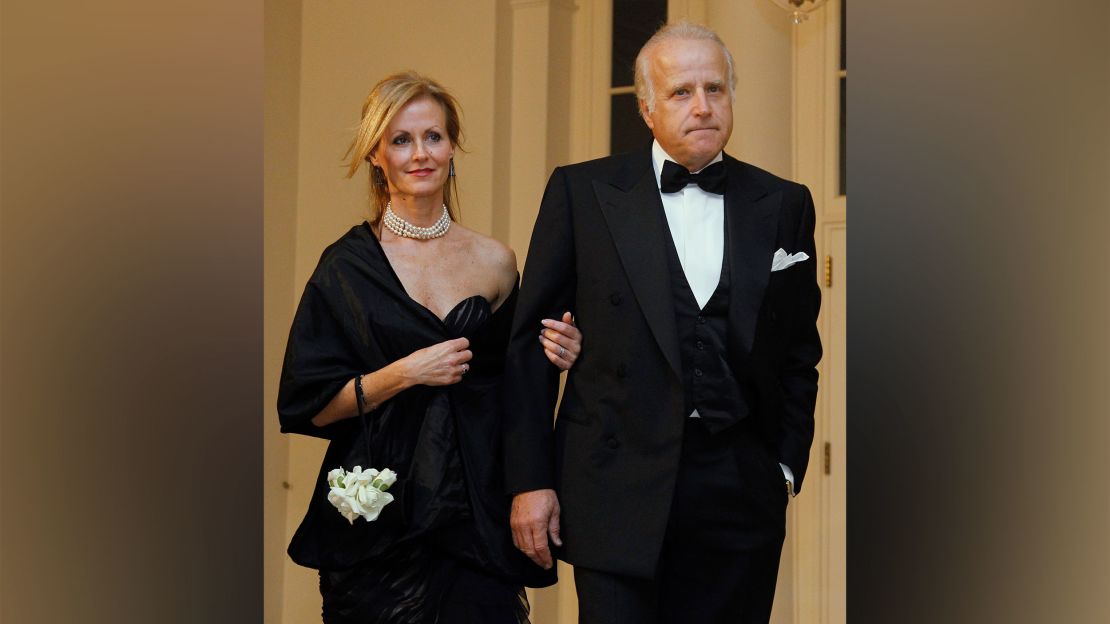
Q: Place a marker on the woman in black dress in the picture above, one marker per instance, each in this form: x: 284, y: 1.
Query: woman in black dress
x: 415, y: 310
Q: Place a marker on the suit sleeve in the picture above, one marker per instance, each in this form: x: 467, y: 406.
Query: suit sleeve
x: 531, y: 382
x: 798, y: 375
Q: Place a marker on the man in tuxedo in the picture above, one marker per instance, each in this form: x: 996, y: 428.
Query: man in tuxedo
x: 686, y: 422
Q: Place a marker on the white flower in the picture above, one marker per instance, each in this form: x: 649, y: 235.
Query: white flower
x: 343, y: 505
x: 360, y: 492
x: 385, y: 479
x: 335, y: 477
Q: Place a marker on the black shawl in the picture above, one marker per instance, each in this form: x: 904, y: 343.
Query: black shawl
x: 444, y: 442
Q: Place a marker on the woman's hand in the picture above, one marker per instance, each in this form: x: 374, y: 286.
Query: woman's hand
x: 561, y: 340
x: 441, y: 364
x: 438, y: 365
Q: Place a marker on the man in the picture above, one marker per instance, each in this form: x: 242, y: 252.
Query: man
x: 688, y: 416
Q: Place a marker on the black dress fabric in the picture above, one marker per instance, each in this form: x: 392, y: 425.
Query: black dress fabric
x: 442, y: 551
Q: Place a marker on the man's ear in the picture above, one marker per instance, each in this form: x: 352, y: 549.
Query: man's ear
x: 644, y: 114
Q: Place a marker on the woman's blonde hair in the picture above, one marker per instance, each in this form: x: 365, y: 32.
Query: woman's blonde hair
x: 385, y: 100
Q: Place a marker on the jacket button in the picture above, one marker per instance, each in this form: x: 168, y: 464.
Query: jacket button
x: 701, y: 346
x: 697, y: 372
x: 701, y: 320
x: 615, y: 298
x: 612, y: 443
x: 622, y: 371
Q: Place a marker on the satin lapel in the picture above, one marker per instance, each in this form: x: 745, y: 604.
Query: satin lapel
x: 636, y: 221
x: 752, y: 230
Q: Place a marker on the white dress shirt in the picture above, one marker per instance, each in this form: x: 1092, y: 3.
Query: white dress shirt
x: 697, y: 222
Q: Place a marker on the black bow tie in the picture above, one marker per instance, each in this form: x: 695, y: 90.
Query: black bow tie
x: 675, y: 177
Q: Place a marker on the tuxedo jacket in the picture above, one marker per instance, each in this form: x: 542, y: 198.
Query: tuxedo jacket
x: 612, y: 453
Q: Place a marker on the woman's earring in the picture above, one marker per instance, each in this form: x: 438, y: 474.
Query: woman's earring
x: 451, y: 169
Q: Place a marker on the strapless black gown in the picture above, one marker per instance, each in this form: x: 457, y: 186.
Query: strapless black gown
x: 442, y: 551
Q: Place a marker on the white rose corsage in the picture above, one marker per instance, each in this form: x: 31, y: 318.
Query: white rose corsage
x: 360, y: 492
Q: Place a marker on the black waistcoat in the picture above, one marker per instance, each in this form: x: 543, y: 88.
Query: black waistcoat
x: 709, y: 385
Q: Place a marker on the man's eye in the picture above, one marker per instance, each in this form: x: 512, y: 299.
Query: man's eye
x: 681, y: 92
x: 713, y: 88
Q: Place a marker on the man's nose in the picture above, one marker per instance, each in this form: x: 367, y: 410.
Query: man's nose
x: 701, y: 103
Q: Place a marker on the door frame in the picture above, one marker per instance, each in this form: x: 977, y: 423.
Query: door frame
x: 817, y: 555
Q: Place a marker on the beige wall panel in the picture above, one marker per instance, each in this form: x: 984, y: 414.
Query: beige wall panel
x: 347, y: 46
x: 539, y: 130
x: 283, y: 34
x: 529, y: 105
x: 501, y: 111
x: 758, y: 34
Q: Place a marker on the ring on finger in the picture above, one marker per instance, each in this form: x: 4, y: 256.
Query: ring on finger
x: 562, y: 352
x: 465, y: 367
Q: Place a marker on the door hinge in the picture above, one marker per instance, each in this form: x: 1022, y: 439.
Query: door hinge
x: 828, y: 271
x: 828, y: 457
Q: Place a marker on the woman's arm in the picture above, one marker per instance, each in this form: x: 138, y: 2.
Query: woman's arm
x: 561, y: 340
x: 438, y: 365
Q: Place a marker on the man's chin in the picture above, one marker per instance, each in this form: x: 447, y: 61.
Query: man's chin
x: 704, y: 152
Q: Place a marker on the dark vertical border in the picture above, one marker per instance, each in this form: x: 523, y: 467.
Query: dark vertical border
x: 131, y: 328
x: 979, y: 312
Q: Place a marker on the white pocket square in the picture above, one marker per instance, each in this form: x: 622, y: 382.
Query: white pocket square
x: 783, y: 260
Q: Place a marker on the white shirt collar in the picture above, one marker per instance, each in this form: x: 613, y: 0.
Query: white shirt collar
x: 658, y: 156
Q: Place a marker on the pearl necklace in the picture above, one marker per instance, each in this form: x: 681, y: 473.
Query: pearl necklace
x: 403, y: 228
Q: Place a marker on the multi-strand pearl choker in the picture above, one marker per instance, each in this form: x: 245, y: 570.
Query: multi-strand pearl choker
x: 403, y: 228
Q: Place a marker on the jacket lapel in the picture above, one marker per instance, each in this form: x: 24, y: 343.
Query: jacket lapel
x: 752, y: 224
x: 634, y: 215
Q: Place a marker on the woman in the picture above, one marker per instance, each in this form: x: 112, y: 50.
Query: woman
x: 413, y: 309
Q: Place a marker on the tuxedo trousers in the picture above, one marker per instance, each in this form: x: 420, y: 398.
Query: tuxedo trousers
x: 720, y: 555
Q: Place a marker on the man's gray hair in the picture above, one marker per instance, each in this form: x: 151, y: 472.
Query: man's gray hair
x: 645, y: 91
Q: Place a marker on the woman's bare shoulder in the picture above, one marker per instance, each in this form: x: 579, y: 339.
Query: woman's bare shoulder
x: 492, y: 252
x: 495, y: 259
